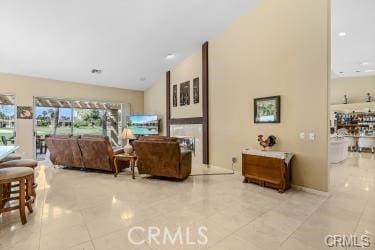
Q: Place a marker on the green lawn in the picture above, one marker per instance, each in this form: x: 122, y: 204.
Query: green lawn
x: 8, y: 132
x: 68, y: 131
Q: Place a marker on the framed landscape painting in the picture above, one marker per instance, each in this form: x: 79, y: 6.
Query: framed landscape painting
x: 267, y: 109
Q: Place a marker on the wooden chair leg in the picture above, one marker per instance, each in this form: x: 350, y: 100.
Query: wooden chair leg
x: 29, y: 193
x: 22, y: 199
x: 8, y: 189
x: 2, y: 195
x: 33, y: 186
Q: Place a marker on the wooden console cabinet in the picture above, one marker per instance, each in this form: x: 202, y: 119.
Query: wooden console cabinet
x: 267, y: 168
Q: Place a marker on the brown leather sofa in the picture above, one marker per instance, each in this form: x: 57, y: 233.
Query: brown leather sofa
x: 161, y: 156
x: 83, y: 152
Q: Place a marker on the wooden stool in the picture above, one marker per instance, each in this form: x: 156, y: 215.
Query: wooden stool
x: 22, y: 175
x: 22, y: 163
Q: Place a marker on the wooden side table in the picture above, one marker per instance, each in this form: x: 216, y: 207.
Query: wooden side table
x: 267, y: 168
x: 131, y: 158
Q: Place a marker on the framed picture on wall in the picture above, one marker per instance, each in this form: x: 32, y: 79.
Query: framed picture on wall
x: 24, y: 112
x: 185, y: 93
x: 196, y: 90
x: 174, y: 95
x: 267, y: 109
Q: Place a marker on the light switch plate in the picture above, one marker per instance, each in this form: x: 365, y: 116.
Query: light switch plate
x: 312, y: 136
x: 302, y: 136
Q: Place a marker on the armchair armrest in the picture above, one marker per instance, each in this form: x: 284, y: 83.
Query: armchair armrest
x: 185, y: 154
x: 185, y: 164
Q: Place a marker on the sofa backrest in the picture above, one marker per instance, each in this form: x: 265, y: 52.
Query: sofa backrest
x: 159, y: 158
x: 157, y: 138
x: 64, y: 151
x: 97, y: 153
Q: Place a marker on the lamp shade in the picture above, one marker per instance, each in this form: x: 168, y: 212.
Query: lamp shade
x: 128, y: 134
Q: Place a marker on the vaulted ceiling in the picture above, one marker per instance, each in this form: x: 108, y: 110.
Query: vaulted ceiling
x: 353, y: 38
x: 128, y: 40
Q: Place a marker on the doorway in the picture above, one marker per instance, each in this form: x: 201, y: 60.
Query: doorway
x: 352, y: 96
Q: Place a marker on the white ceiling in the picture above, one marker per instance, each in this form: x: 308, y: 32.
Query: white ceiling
x: 127, y: 39
x: 357, y: 19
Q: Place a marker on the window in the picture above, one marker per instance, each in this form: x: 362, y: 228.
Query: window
x: 7, y: 119
x: 67, y: 117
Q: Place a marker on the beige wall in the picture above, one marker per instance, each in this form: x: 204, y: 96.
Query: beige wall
x: 189, y: 69
x: 277, y: 48
x: 155, y: 101
x: 25, y: 88
x: 355, y: 87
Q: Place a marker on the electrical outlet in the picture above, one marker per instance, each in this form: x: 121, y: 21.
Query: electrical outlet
x: 234, y: 160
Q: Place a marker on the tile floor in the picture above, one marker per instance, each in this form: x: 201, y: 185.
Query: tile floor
x: 80, y: 210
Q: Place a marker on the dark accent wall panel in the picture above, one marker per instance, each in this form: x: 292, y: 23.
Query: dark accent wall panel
x: 205, y: 102
x: 168, y: 101
x: 192, y: 120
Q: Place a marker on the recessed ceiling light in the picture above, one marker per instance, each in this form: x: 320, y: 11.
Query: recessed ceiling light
x: 142, y: 79
x: 96, y: 71
x: 367, y: 63
x: 369, y: 70
x: 341, y: 72
x: 169, y: 56
x: 342, y: 34
x: 357, y: 71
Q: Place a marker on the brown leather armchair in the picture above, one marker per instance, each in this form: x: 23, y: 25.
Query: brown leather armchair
x: 162, y: 158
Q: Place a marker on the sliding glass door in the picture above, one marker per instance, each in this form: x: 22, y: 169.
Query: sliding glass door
x: 67, y: 117
x: 89, y: 122
x: 7, y: 120
x: 53, y: 121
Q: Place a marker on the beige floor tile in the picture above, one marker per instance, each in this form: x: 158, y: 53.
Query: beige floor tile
x: 118, y: 241
x: 265, y: 234
x: 295, y: 244
x: 84, y: 246
x: 234, y: 243
x: 65, y: 238
x: 69, y: 215
x: 312, y: 235
x: 60, y: 219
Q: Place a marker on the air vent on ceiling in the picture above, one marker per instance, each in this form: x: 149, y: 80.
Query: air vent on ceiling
x: 96, y: 71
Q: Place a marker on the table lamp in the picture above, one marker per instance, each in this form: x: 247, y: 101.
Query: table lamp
x: 127, y: 135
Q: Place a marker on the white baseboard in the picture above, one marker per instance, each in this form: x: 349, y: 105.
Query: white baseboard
x: 311, y: 191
